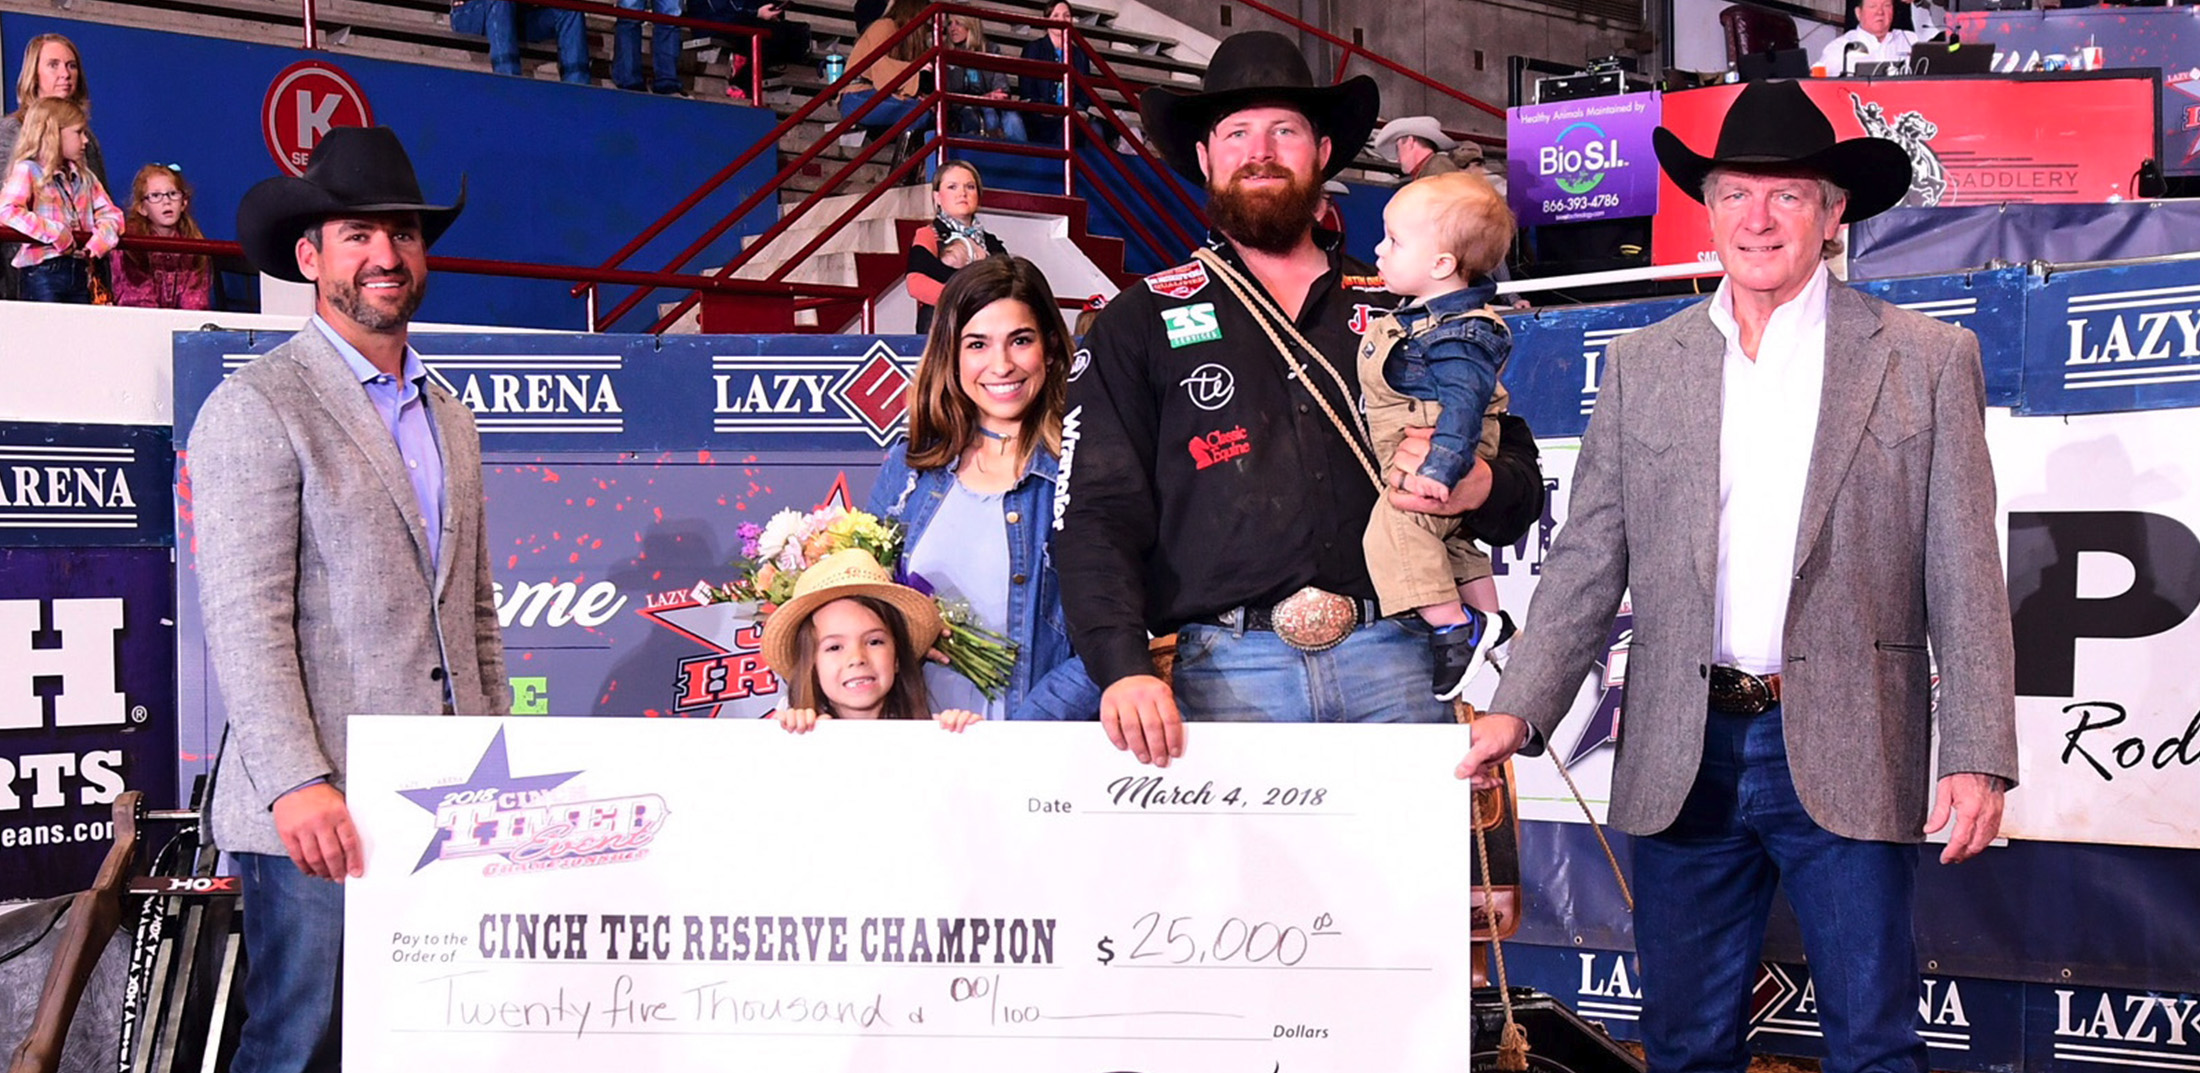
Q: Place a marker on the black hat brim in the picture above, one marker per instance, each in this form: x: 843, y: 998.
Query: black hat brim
x: 1875, y: 171
x: 1178, y: 120
x: 275, y: 213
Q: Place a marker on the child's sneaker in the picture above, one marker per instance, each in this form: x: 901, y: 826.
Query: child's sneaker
x: 1461, y: 652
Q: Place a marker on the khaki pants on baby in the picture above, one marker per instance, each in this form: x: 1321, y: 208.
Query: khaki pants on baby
x: 1414, y: 559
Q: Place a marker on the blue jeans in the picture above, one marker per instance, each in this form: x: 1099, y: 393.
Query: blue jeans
x: 1380, y: 674
x: 294, y: 960
x: 664, y: 48
x: 1704, y: 886
x: 986, y: 120
x: 63, y: 279
x: 507, y: 24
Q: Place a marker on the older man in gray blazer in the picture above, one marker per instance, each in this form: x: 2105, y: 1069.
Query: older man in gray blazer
x: 1792, y: 479
x: 342, y: 565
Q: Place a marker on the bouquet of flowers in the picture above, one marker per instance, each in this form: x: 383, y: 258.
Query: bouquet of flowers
x: 774, y: 554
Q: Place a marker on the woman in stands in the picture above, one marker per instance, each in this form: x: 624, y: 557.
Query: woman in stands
x: 953, y: 241
x: 1052, y: 47
x: 51, y: 68
x: 967, y: 33
x: 891, y: 68
x: 974, y: 483
x: 160, y: 204
x: 785, y: 41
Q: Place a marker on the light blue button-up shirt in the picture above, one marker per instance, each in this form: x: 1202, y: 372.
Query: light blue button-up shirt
x: 403, y: 405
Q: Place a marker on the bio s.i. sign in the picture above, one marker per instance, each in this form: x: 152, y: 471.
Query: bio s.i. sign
x: 1582, y: 160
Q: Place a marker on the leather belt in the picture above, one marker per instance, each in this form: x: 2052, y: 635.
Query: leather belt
x: 1311, y: 619
x: 1737, y: 692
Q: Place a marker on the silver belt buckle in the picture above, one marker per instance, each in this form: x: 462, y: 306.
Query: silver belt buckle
x: 1314, y: 620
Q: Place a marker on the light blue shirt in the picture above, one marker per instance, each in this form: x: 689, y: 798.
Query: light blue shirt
x: 403, y: 405
x: 963, y: 554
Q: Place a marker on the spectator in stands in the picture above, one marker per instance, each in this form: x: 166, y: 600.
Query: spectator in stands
x: 1089, y: 314
x: 1874, y: 40
x: 508, y: 25
x: 785, y: 41
x: 1418, y: 145
x: 974, y: 483
x: 51, y: 68
x: 1327, y: 215
x: 954, y: 241
x: 160, y: 204
x: 664, y: 49
x: 50, y: 195
x: 1052, y: 47
x: 891, y: 70
x: 967, y: 33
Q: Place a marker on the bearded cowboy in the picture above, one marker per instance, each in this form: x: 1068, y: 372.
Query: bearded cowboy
x: 1792, y: 480
x: 1217, y: 478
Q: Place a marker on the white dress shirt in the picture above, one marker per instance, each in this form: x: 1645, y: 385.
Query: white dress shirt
x: 1767, y: 422
x: 1838, y: 60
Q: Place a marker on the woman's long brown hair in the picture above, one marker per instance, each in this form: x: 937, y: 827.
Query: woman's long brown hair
x: 943, y: 422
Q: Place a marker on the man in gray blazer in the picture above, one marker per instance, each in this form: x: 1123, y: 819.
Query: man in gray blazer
x: 341, y: 560
x: 1792, y: 479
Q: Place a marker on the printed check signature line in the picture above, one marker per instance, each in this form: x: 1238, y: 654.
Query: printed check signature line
x: 1062, y: 1037
x: 1202, y: 812
x: 1138, y: 1013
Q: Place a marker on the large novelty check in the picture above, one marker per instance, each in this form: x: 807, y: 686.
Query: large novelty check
x: 569, y: 894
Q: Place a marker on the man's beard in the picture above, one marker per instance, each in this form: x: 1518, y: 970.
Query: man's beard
x: 349, y: 298
x: 1270, y: 219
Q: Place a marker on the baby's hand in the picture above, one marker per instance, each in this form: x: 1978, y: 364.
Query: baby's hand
x: 957, y: 720
x: 1423, y: 486
x: 799, y: 720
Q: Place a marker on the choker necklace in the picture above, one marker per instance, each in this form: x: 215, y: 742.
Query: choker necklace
x: 992, y: 435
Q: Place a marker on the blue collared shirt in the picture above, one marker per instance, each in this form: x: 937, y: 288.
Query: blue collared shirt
x: 403, y: 405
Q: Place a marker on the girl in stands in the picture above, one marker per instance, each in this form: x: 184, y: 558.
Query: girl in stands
x: 49, y: 195
x: 160, y: 204
x: 849, y: 645
x: 973, y: 486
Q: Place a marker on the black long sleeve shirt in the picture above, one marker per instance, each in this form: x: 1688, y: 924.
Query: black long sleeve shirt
x: 1198, y: 477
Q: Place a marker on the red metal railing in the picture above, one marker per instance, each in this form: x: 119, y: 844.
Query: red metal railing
x: 755, y: 34
x: 936, y: 104
x: 477, y: 266
x: 1349, y: 50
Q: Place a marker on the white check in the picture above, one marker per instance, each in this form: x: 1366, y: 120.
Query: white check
x: 552, y: 894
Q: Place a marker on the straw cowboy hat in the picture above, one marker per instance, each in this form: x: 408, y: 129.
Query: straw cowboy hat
x: 845, y: 573
x: 1417, y: 126
x: 1775, y: 126
x: 1248, y: 70
x: 355, y: 170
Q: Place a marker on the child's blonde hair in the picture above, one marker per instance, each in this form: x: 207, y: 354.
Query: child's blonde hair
x: 1471, y: 219
x: 43, y: 121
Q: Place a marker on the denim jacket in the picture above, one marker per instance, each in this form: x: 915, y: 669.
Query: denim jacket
x: 1450, y: 355
x: 1049, y: 681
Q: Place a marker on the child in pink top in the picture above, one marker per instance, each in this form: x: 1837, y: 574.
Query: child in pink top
x: 49, y: 196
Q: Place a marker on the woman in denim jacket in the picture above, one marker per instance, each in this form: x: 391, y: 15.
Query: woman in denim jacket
x: 973, y: 483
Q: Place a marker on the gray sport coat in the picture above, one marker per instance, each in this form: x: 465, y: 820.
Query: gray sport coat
x: 319, y: 599
x: 1897, y: 549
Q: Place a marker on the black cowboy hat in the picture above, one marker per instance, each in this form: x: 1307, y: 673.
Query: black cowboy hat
x: 354, y: 170
x: 1250, y: 69
x: 1774, y: 126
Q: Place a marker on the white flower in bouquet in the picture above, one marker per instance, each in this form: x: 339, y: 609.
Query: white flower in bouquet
x: 781, y: 535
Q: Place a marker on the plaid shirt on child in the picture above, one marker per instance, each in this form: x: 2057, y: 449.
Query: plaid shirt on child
x: 43, y: 207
